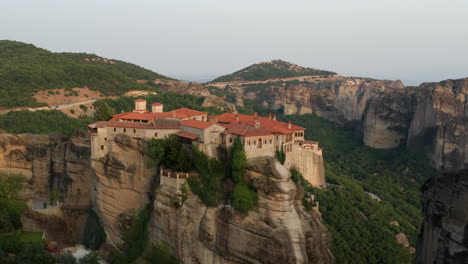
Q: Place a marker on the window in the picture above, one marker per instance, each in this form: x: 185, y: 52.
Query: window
x: 102, y: 147
x: 125, y: 130
x: 230, y: 140
x: 134, y: 130
x: 105, y: 139
x: 270, y: 141
x: 155, y: 134
x: 255, y: 142
x: 115, y: 129
x: 264, y: 141
x: 248, y: 142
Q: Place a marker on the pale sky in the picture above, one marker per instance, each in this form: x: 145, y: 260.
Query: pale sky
x: 410, y: 40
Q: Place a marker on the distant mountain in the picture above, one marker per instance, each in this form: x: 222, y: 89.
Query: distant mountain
x: 271, y: 70
x: 25, y: 69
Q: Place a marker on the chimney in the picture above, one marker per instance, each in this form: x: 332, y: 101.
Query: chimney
x: 140, y: 106
x: 237, y: 118
x: 255, y: 113
x: 157, y: 108
x: 269, y: 116
x: 289, y: 124
x: 274, y: 117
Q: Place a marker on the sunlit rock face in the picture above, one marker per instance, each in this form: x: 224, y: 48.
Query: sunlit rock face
x: 444, y: 237
x: 280, y: 230
x: 122, y: 183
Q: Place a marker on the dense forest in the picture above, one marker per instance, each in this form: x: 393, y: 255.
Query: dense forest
x: 25, y: 69
x: 270, y: 70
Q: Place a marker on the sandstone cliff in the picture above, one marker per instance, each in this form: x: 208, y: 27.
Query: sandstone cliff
x: 444, y: 237
x: 280, y: 230
x: 48, y: 162
x: 432, y: 117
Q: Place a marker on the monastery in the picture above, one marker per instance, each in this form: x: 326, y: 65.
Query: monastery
x: 261, y: 136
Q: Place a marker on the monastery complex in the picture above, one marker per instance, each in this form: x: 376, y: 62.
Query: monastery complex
x: 261, y: 136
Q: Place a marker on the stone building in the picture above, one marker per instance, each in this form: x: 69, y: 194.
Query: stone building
x: 261, y: 136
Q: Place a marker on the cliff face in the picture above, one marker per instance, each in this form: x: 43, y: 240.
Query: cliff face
x: 48, y: 162
x: 444, y: 237
x: 279, y: 231
x: 122, y: 183
x: 432, y: 117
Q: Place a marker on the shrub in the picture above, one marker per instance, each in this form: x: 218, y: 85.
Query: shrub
x: 244, y: 198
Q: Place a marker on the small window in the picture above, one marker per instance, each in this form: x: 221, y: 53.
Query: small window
x: 105, y: 139
x: 248, y: 142
x: 125, y: 130
x: 271, y: 141
x: 155, y: 134
x: 134, y: 130
x: 115, y: 129
x: 102, y: 147
x: 230, y: 140
x: 255, y: 142
x: 264, y: 141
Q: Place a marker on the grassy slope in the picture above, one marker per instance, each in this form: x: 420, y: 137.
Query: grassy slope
x: 264, y: 71
x: 25, y: 68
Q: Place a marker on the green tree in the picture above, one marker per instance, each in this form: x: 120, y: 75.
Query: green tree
x: 90, y: 258
x: 238, y: 161
x: 280, y: 154
x: 244, y: 198
x: 67, y: 258
x: 103, y: 111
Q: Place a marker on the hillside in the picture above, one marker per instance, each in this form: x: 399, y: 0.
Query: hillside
x: 271, y: 70
x: 26, y: 69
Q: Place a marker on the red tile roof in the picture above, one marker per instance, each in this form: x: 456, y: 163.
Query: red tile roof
x: 140, y: 100
x: 157, y: 104
x: 197, y: 124
x: 159, y: 125
x: 267, y: 124
x: 247, y: 131
x: 186, y: 135
x: 188, y: 112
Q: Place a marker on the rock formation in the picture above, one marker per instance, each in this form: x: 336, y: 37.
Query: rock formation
x: 280, y: 230
x: 444, y: 237
x: 122, y: 184
x: 47, y: 162
x: 432, y: 117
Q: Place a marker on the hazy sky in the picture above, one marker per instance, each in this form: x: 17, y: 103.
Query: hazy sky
x: 411, y: 40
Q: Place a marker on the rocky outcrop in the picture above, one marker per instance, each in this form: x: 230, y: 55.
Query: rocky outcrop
x: 51, y: 162
x: 122, y: 183
x: 444, y: 237
x: 280, y: 230
x: 432, y: 117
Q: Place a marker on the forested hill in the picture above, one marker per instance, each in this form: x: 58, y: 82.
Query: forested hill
x: 271, y: 70
x: 25, y: 69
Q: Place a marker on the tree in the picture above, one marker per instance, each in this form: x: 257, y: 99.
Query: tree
x: 244, y: 198
x: 238, y: 161
x: 103, y: 111
x: 90, y: 258
x: 67, y: 258
x: 280, y: 154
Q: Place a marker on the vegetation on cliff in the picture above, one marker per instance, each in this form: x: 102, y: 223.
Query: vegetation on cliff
x: 94, y: 235
x: 270, y: 70
x: 360, y: 225
x: 16, y: 246
x: 25, y: 69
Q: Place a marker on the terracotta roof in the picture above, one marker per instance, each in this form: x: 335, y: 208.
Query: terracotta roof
x: 99, y: 124
x: 186, y: 135
x: 247, y: 131
x: 140, y: 100
x: 157, y: 104
x: 188, y: 112
x: 267, y: 124
x: 147, y: 116
x: 197, y: 124
x: 167, y: 123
